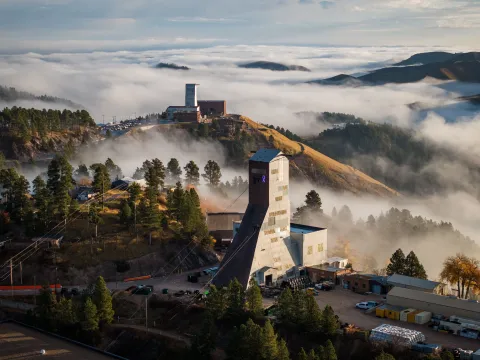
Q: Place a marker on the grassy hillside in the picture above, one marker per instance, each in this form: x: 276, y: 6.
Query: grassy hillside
x: 317, y: 167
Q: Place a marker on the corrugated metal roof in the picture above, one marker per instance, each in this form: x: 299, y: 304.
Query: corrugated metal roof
x: 402, y: 280
x: 454, y: 303
x: 265, y: 155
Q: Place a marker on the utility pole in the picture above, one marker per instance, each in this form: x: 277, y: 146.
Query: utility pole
x: 11, y: 275
x: 135, y: 217
x: 146, y: 313
x: 21, y: 274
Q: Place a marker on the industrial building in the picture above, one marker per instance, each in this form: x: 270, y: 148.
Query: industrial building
x: 412, y: 283
x: 362, y: 283
x: 194, y: 110
x: 436, y: 304
x: 266, y: 246
x: 220, y: 225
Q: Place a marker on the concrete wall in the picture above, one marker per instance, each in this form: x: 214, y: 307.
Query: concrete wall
x: 434, y: 308
x: 314, y: 247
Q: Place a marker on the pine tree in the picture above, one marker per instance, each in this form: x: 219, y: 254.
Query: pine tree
x: 90, y: 316
x: 94, y: 217
x: 113, y: 170
x: 345, y: 215
x: 82, y: 172
x: 212, y: 173
x: 312, y: 355
x: 330, y: 353
x: 397, y: 263
x: 413, y: 267
x: 283, y: 353
x: 313, y: 321
x: 269, y: 349
x: 329, y: 321
x: 101, y: 180
x: 386, y: 356
x: 286, y: 308
x: 60, y: 182
x: 192, y: 174
x: 302, y: 355
x: 371, y: 223
x: 313, y: 201
x: 103, y: 301
x: 300, y: 307
x: 320, y: 352
x: 174, y: 171
x: 175, y: 202
x: 134, y: 191
x: 236, y: 295
x: 65, y: 312
x: 254, y: 301
x: 125, y: 213
x: 217, y: 302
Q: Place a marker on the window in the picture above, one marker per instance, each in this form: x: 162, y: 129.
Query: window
x: 274, y: 171
x: 279, y: 198
x: 274, y: 240
x: 310, y: 250
x: 269, y: 232
x: 276, y: 213
x: 271, y: 221
x: 320, y: 248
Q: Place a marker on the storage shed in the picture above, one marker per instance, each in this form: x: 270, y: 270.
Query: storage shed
x: 396, y: 335
x: 436, y: 304
x: 412, y: 283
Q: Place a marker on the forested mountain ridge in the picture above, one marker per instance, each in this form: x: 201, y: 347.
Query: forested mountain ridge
x: 10, y: 94
x: 25, y: 133
x: 273, y: 66
x: 398, y: 157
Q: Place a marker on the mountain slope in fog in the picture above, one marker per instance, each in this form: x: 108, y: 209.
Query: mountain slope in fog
x: 269, y: 65
x: 10, y: 95
x: 426, y: 58
x: 310, y: 164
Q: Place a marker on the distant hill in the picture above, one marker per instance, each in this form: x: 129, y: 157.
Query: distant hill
x: 474, y: 99
x: 342, y: 79
x: 10, y: 94
x: 426, y: 58
x: 317, y: 167
x: 463, y: 67
x: 171, y: 66
x: 398, y: 157
x: 268, y: 65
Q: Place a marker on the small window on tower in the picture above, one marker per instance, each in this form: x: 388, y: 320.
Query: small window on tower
x: 271, y: 221
x: 310, y: 250
x: 279, y: 198
x: 320, y: 247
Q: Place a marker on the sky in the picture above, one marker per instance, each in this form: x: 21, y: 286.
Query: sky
x: 88, y: 25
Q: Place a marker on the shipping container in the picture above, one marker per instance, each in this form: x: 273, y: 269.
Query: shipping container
x: 423, y: 317
x: 380, y: 311
x: 411, y: 316
x: 426, y: 348
x: 404, y: 314
x: 392, y: 314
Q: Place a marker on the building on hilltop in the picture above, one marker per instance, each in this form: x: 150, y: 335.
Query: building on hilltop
x: 193, y: 110
x: 266, y: 246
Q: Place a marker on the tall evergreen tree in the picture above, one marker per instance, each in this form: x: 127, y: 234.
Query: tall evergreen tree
x: 269, y: 349
x: 397, y: 263
x: 313, y: 321
x: 312, y: 355
x: 192, y: 174
x: 345, y: 215
x: 217, y: 302
x: 94, y: 217
x: 205, y: 341
x: 313, y: 201
x: 286, y: 306
x: 103, y: 301
x: 236, y: 296
x: 334, y: 212
x: 90, y: 316
x: 329, y: 321
x: 254, y: 302
x: 82, y: 171
x: 65, y: 313
x: 134, y: 191
x: 302, y: 355
x: 283, y: 353
x: 125, y: 213
x: 174, y: 171
x: 175, y: 202
x: 413, y: 267
x: 212, y: 173
x: 101, y: 181
x: 113, y: 170
x: 330, y: 353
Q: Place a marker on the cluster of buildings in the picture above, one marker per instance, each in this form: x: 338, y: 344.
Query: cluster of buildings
x: 196, y: 110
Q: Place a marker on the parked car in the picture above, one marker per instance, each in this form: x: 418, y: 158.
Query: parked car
x: 324, y: 287
x: 365, y: 305
x: 179, y: 293
x: 75, y: 292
